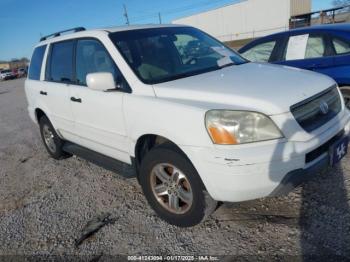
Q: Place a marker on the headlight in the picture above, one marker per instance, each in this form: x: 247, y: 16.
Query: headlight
x: 239, y: 127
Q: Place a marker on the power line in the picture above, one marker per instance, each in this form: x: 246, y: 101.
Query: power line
x: 192, y: 6
x: 179, y: 9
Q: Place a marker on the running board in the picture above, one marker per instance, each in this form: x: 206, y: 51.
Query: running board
x: 116, y: 166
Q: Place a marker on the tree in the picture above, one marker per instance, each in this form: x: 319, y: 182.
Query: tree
x: 24, y: 59
x: 338, y: 3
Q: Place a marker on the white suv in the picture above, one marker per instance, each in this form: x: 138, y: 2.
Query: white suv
x: 198, y: 123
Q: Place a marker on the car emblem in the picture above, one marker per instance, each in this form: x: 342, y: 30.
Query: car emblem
x: 324, y: 108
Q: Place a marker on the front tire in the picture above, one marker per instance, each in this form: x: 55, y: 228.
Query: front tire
x: 53, y: 143
x: 173, y: 187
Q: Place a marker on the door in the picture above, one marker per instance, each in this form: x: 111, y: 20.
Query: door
x: 99, y: 119
x: 308, y: 51
x: 59, y: 77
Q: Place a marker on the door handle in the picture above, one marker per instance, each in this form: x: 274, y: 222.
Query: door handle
x: 315, y: 66
x: 43, y: 93
x: 77, y: 100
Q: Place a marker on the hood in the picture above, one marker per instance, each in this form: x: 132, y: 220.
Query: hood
x: 265, y: 88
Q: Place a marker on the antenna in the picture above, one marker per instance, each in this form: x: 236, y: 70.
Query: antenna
x: 126, y: 15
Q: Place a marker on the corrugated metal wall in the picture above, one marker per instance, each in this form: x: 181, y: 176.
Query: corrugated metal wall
x: 247, y: 19
x: 298, y: 7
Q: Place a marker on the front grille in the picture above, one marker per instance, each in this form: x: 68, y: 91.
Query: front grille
x: 318, y: 110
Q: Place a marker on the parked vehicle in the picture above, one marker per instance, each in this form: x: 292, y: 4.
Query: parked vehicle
x: 15, y: 73
x: 324, y: 49
x: 6, y: 75
x: 22, y: 72
x: 196, y: 121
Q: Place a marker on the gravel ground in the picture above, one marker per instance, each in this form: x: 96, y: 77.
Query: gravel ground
x: 44, y: 204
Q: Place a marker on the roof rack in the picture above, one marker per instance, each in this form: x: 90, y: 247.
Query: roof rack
x: 74, y: 30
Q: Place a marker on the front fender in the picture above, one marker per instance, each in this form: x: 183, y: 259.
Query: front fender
x: 182, y: 124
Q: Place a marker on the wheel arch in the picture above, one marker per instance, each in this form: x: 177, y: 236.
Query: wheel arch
x: 147, y: 142
x: 39, y: 113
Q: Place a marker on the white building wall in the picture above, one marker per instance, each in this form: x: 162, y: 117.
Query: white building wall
x: 247, y: 19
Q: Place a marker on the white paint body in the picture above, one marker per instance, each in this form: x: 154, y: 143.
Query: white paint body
x: 111, y: 122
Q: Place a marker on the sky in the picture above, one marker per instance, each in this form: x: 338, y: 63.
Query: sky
x: 24, y: 21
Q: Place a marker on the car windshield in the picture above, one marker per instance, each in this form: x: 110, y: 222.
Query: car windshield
x: 5, y: 71
x: 169, y: 53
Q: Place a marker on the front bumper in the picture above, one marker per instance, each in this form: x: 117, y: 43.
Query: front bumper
x: 251, y: 171
x: 296, y: 177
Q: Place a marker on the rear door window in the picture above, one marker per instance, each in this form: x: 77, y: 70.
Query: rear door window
x: 261, y: 52
x: 305, y: 47
x: 341, y: 46
x: 315, y: 47
x: 60, y: 67
x: 36, y: 63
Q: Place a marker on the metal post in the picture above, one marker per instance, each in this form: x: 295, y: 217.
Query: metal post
x: 160, y: 18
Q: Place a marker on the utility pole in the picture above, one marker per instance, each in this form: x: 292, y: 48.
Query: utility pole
x: 160, y: 18
x: 126, y: 15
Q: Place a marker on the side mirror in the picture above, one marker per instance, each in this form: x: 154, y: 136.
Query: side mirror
x: 100, y: 81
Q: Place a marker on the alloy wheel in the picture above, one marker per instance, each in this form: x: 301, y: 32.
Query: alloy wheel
x: 49, y: 138
x: 171, y: 188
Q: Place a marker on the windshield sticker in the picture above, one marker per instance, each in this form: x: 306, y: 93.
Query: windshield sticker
x: 222, y: 50
x: 297, y: 47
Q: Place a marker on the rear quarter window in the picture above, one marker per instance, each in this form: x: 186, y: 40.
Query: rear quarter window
x: 36, y: 63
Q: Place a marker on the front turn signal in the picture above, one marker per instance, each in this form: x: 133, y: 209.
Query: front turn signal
x: 221, y: 136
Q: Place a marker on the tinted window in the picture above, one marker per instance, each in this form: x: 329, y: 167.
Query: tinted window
x: 341, y: 46
x: 315, y: 47
x: 92, y: 57
x: 169, y: 53
x: 261, y: 52
x: 36, y: 63
x: 305, y: 46
x: 61, y: 62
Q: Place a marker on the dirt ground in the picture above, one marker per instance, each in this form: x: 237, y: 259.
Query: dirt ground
x: 45, y: 203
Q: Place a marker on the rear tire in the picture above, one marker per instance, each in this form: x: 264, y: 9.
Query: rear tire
x: 53, y: 143
x: 173, y: 187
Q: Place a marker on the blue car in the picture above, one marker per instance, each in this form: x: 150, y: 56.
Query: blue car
x: 324, y: 49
